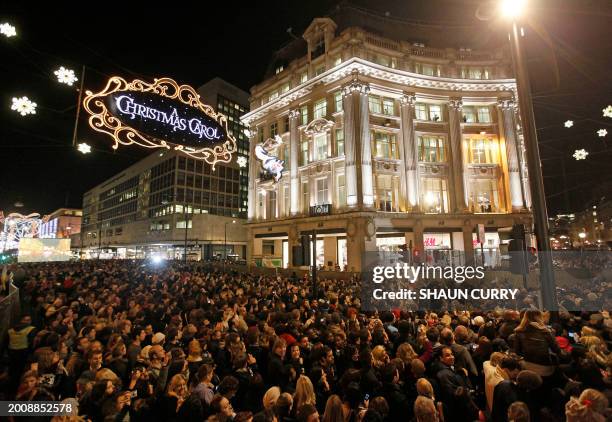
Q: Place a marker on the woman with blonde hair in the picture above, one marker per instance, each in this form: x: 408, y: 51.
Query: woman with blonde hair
x: 304, y: 393
x: 406, y: 353
x: 424, y: 388
x: 333, y: 410
x: 589, y: 407
x: 535, y: 342
x: 271, y: 397
x: 425, y: 410
x: 379, y: 357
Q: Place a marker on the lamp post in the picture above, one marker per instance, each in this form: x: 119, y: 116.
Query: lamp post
x: 225, y: 243
x: 186, y: 231
x: 582, y: 236
x: 512, y: 9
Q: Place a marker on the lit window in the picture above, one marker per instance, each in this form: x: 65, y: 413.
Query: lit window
x: 318, y: 47
x: 320, y: 142
x: 421, y: 111
x: 484, y: 196
x: 304, y: 154
x: 273, y: 129
x: 385, y: 145
x: 181, y: 224
x: 388, y: 106
x: 320, y: 109
x: 469, y: 115
x: 341, y: 190
x: 337, y: 61
x: 434, y: 196
x: 340, y: 142
x: 271, y: 204
x: 305, y: 198
x: 484, y: 115
x: 304, y: 115
x: 279, y: 69
x: 431, y: 149
x: 284, y: 88
x: 482, y: 151
x: 304, y: 77
x: 384, y: 193
x: 435, y: 113
x: 338, y: 101
x: 273, y: 96
x: 319, y: 70
x: 322, y: 191
x: 374, y: 102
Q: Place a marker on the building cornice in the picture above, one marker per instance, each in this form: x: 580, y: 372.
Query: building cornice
x: 373, y: 70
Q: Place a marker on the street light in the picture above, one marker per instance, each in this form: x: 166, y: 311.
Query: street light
x: 513, y: 9
x: 225, y: 243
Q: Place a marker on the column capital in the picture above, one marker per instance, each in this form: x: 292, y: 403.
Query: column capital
x: 355, y: 85
x: 455, y: 104
x: 408, y: 98
x: 294, y: 114
x: 506, y: 104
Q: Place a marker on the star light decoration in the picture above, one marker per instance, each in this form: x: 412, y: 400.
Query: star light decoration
x: 23, y: 106
x: 569, y: 123
x: 84, y: 148
x: 242, y: 161
x: 8, y: 30
x: 607, y: 112
x: 602, y: 132
x: 65, y: 76
x: 580, y: 154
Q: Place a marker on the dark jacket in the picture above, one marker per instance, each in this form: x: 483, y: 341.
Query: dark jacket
x: 399, y: 405
x: 535, y: 345
x: 278, y: 372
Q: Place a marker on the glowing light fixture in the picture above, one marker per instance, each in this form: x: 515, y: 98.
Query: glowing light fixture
x: 430, y: 198
x: 582, y: 235
x: 23, y: 106
x: 242, y: 161
x: 8, y: 30
x: 84, y: 148
x: 569, y: 123
x: 65, y: 76
x: 607, y: 112
x: 602, y: 132
x: 580, y: 154
x: 512, y: 8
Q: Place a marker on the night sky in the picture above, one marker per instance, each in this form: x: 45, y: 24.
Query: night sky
x: 569, y: 49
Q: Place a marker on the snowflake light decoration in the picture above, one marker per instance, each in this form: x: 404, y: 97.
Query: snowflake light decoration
x: 569, y: 123
x: 8, y: 30
x: 602, y: 132
x: 65, y: 76
x: 242, y: 161
x: 84, y: 148
x: 607, y: 112
x: 23, y: 106
x: 580, y: 154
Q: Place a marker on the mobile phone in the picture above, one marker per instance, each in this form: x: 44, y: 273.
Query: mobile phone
x: 366, y: 397
x: 133, y: 394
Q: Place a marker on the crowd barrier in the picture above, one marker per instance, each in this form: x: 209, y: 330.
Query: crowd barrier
x: 9, y: 312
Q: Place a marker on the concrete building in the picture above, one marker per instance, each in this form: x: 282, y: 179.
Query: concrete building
x: 392, y: 135
x: 62, y: 223
x: 168, y: 203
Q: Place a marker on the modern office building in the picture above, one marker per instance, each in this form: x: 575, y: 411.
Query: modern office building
x: 168, y: 203
x: 392, y: 133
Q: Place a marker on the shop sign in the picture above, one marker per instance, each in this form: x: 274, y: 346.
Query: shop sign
x: 323, y: 209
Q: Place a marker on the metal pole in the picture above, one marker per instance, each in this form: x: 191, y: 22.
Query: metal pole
x: 186, y: 226
x: 314, y: 264
x: 78, y: 110
x: 536, y: 181
x: 224, y: 246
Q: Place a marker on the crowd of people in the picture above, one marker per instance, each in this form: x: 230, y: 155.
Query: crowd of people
x: 129, y: 341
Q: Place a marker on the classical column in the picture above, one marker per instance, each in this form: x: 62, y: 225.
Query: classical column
x: 468, y: 242
x: 294, y: 135
x: 253, y: 165
x: 454, y: 113
x: 507, y: 108
x: 357, y: 151
x: 408, y: 153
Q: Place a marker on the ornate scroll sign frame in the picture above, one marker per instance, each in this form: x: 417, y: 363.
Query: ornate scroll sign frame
x: 101, y: 120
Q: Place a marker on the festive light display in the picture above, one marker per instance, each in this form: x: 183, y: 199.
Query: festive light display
x: 8, y: 30
x: 580, y: 154
x: 18, y: 226
x: 569, y: 123
x: 84, y: 148
x: 265, y: 153
x: 607, y: 112
x: 23, y: 106
x: 161, y: 114
x: 65, y: 76
x: 602, y: 132
x: 242, y: 161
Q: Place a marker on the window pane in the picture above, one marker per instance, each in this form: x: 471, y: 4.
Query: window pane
x: 320, y: 109
x: 374, y: 102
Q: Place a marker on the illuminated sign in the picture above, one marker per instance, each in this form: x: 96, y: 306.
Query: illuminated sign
x: 161, y: 114
x: 270, y: 162
x: 323, y: 209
